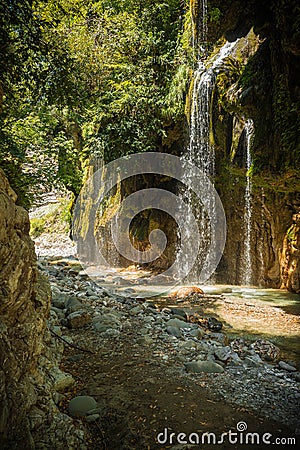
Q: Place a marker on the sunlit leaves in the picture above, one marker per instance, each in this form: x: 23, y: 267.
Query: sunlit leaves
x: 94, y: 77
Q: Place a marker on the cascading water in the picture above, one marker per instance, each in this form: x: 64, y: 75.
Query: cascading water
x: 199, y: 36
x: 200, y: 151
x: 261, y: 242
x: 247, y: 263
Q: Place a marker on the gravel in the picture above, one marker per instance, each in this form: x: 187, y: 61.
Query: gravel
x: 244, y: 374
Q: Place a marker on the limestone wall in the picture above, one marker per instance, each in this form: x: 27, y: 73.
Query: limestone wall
x: 29, y: 356
x: 22, y: 318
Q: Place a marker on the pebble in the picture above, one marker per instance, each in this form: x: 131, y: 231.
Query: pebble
x: 59, y: 300
x: 198, y: 333
x: 111, y: 333
x: 78, y: 319
x: 58, y: 312
x: 81, y: 405
x: 286, y: 366
x: 62, y: 380
x: 36, y: 418
x: 224, y: 353
x: 253, y: 360
x: 92, y: 418
x: 179, y: 313
x: 204, y: 366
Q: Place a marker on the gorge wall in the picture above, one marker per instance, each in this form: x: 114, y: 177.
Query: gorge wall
x: 260, y: 81
x: 22, y: 315
x: 29, y: 355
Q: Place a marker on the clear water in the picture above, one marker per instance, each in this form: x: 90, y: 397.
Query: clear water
x: 247, y: 263
x: 201, y: 153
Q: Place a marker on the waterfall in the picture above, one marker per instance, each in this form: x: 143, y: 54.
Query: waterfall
x: 261, y: 241
x: 199, y: 35
x: 200, y: 151
x: 247, y: 262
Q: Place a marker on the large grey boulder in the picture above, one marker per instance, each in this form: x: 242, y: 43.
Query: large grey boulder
x: 203, y: 366
x: 81, y: 405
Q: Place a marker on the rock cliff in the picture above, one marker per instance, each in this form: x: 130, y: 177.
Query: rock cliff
x: 28, y: 355
x: 22, y: 315
x: 261, y: 82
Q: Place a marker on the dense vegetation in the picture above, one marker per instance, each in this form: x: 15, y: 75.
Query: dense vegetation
x: 105, y: 78
x: 81, y: 78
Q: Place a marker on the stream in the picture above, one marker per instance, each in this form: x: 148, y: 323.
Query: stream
x: 134, y: 330
x: 249, y: 312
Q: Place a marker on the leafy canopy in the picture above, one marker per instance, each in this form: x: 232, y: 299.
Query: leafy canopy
x: 82, y: 78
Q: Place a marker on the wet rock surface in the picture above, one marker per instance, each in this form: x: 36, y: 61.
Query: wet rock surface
x: 142, y: 364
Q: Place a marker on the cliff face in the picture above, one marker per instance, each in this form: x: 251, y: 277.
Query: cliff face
x: 268, y: 85
x: 29, y: 356
x: 274, y: 253
x: 290, y: 259
x: 261, y: 82
x: 22, y: 315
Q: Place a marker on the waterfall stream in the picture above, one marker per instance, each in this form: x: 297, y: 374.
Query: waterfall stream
x: 247, y: 263
x: 200, y: 151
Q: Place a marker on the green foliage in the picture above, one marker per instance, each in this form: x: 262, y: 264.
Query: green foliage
x: 214, y: 15
x: 123, y: 61
x: 287, y: 120
x: 291, y: 235
x: 56, y: 219
x: 229, y: 74
x: 86, y: 78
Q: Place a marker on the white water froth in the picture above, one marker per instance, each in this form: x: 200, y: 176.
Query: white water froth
x: 200, y: 151
x: 247, y: 262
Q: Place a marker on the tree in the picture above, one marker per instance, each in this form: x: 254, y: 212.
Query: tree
x: 94, y: 78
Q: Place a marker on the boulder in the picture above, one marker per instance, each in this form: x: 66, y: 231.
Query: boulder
x: 78, y: 319
x: 59, y: 300
x: 186, y: 291
x: 265, y: 349
x: 81, y: 405
x: 174, y: 331
x: 73, y: 304
x: 203, y: 366
x: 178, y: 323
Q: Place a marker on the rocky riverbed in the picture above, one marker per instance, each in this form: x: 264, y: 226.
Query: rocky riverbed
x: 150, y: 369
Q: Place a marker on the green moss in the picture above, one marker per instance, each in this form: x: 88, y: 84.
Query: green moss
x: 287, y: 183
x: 85, y: 216
x: 231, y: 176
x: 108, y: 209
x: 37, y: 226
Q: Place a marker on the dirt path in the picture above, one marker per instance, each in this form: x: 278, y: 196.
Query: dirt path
x: 141, y: 396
